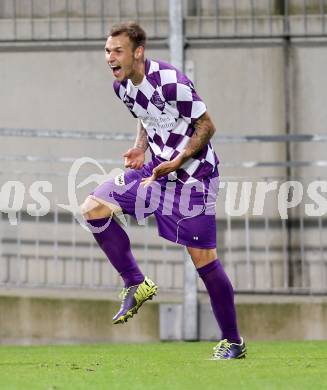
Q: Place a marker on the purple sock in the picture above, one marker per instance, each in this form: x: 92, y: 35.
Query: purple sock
x: 221, y: 296
x: 115, y: 244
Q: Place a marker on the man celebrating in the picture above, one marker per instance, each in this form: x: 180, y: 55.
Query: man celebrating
x: 174, y: 123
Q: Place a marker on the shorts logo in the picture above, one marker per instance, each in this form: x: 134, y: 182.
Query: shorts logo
x: 157, y: 101
x: 120, y: 180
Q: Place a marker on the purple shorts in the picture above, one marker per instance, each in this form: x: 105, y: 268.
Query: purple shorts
x: 185, y: 213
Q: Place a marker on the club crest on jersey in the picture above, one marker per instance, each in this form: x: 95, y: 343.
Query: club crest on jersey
x: 157, y: 101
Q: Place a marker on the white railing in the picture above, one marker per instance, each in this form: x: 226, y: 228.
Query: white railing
x: 64, y: 20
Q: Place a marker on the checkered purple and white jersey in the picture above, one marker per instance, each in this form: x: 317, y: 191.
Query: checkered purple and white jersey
x: 168, y: 106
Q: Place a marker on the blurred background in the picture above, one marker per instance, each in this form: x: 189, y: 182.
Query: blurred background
x: 261, y: 68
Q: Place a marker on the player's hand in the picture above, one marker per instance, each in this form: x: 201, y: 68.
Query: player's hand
x: 161, y: 170
x: 134, y: 158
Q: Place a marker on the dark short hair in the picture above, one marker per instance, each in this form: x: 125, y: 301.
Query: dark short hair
x: 133, y: 30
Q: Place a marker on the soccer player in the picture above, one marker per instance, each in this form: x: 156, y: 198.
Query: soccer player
x: 173, y: 122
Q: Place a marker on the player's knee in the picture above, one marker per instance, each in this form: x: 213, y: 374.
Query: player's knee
x: 202, y: 257
x: 86, y: 207
x: 94, y: 209
x: 90, y: 208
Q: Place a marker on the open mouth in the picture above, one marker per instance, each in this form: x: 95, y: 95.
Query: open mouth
x: 115, y: 69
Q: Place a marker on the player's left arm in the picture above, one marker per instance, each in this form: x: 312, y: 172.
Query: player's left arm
x: 204, y: 130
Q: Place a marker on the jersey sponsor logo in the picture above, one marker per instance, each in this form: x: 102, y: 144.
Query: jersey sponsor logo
x: 164, y: 121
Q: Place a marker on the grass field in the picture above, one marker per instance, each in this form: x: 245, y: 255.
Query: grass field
x: 269, y: 365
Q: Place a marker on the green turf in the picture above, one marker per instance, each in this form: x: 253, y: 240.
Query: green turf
x: 269, y: 365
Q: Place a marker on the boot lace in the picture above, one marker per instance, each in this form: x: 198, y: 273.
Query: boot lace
x: 220, y: 350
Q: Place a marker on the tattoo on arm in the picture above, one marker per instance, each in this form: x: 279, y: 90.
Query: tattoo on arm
x: 141, y: 141
x: 204, y: 130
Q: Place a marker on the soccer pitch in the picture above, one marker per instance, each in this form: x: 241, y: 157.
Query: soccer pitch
x: 269, y: 365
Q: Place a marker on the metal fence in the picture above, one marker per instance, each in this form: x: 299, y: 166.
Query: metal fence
x: 87, y: 20
x: 262, y: 252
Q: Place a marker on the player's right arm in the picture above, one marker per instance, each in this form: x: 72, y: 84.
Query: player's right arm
x: 141, y: 141
x: 135, y: 157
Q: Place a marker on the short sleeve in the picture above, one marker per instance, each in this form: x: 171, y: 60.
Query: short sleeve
x: 183, y: 96
x: 120, y: 92
x: 117, y: 88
